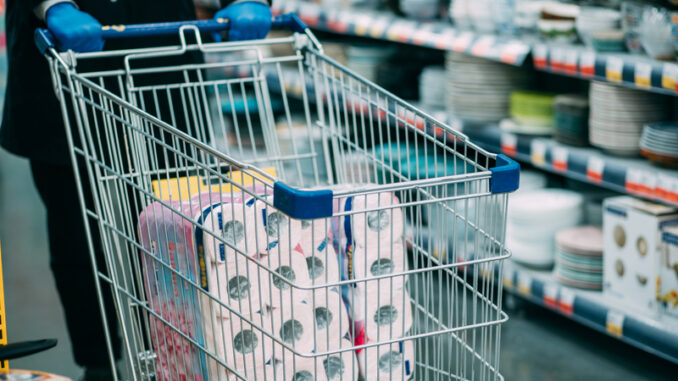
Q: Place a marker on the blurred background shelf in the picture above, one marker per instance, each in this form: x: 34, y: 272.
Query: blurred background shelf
x: 590, y: 308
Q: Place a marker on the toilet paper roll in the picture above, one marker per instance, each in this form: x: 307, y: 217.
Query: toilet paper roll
x: 315, y: 236
x: 387, y: 362
x: 275, y: 229
x: 341, y: 366
x: 235, y: 224
x: 238, y: 344
x: 297, y: 368
x: 379, y: 313
x: 374, y: 229
x: 291, y: 266
x: 370, y: 263
x: 238, y: 284
x: 292, y: 325
x: 330, y: 318
x: 323, y: 267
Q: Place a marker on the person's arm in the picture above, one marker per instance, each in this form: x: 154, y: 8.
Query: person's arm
x: 250, y: 19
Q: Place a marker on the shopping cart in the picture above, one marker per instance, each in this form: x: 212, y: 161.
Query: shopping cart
x: 339, y: 233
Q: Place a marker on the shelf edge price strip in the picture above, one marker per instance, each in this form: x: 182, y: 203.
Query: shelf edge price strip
x: 524, y: 284
x: 560, y: 155
x: 566, y: 302
x: 551, y: 295
x: 509, y: 144
x: 641, y: 183
x: 594, y: 169
x: 614, y: 324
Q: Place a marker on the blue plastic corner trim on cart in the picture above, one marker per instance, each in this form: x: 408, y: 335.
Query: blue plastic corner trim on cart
x: 302, y: 204
x: 505, y: 175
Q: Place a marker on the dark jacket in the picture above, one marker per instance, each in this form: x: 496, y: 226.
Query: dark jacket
x: 32, y: 123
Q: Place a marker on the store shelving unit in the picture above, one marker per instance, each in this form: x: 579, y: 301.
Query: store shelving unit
x: 591, y: 309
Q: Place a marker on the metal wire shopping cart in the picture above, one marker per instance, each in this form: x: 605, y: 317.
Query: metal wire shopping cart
x: 250, y: 234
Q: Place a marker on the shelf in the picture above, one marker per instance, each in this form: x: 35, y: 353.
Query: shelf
x: 593, y: 310
x: 629, y: 70
x: 634, y: 176
x: 387, y: 27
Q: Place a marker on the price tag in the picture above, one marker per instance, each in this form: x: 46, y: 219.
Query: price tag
x: 362, y: 24
x: 559, y: 159
x: 540, y: 56
x: 509, y: 144
x: 511, y: 52
x: 640, y: 182
x: 524, y: 284
x: 400, y: 31
x: 482, y: 47
x: 615, y: 323
x: 667, y: 188
x: 670, y: 77
x: 551, y: 295
x: 643, y: 75
x: 462, y: 42
x: 445, y: 40
x: 566, y: 302
x: 571, y: 61
x: 587, y: 64
x: 557, y: 59
x: 614, y: 68
x: 423, y: 35
x: 538, y: 152
x: 379, y: 26
x: 594, y: 169
x: 309, y: 13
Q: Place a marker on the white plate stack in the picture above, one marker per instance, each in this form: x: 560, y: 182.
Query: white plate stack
x: 479, y: 90
x: 432, y: 88
x: 618, y: 115
x: 535, y: 217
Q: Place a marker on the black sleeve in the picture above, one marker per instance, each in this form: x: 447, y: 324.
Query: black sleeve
x: 225, y: 3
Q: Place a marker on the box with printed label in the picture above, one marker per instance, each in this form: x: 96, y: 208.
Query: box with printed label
x: 667, y: 283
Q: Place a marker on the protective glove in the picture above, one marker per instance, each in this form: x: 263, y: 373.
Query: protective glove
x: 74, y: 30
x: 249, y: 20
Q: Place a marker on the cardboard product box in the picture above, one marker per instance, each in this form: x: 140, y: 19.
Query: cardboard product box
x: 667, y: 283
x: 632, y: 250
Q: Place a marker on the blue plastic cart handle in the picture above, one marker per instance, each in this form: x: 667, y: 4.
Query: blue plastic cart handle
x: 44, y: 39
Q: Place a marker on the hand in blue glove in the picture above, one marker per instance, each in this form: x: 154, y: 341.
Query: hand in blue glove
x: 249, y: 20
x: 73, y: 29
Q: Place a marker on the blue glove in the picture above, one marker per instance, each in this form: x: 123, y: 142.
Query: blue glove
x: 73, y: 29
x: 249, y: 20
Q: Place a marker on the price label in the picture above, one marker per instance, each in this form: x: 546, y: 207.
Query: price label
x: 445, y: 40
x: 462, y: 42
x: 557, y: 59
x: 524, y: 284
x: 509, y: 144
x: 378, y: 27
x: 615, y: 323
x: 538, y: 152
x: 571, y: 61
x: 482, y: 47
x: 400, y: 31
x: 566, y: 302
x: 643, y: 75
x: 587, y: 64
x: 423, y: 35
x: 559, y: 159
x: 614, y: 68
x: 362, y: 24
x: 594, y: 169
x: 551, y: 295
x: 640, y: 182
x: 540, y: 56
x: 309, y: 13
x: 670, y: 76
x: 511, y: 52
x: 667, y: 188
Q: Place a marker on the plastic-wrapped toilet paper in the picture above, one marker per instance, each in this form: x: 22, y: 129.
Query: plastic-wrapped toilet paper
x: 292, y: 324
x: 331, y: 319
x: 372, y: 263
x: 387, y: 362
x: 323, y: 267
x: 238, y: 344
x: 291, y: 266
x: 235, y: 224
x: 238, y: 284
x: 315, y: 236
x: 275, y: 229
x: 341, y: 366
x: 376, y: 229
x: 379, y: 313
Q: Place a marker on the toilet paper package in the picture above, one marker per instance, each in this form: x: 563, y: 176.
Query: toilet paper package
x: 330, y: 318
x: 341, y: 366
x: 274, y: 229
x: 235, y: 224
x: 387, y: 362
x: 373, y: 263
x: 237, y: 284
x: 316, y: 235
x: 292, y: 325
x: 290, y: 266
x: 323, y: 267
x: 379, y: 312
x: 379, y: 226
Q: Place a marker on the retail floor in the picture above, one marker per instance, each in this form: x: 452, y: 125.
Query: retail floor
x: 537, y: 344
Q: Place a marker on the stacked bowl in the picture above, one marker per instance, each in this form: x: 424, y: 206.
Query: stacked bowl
x: 659, y: 143
x: 579, y: 257
x: 594, y: 20
x: 618, y: 115
x: 478, y: 90
x: 571, y: 119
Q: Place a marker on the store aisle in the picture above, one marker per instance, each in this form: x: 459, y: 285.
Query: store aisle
x: 536, y: 344
x: 33, y: 308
